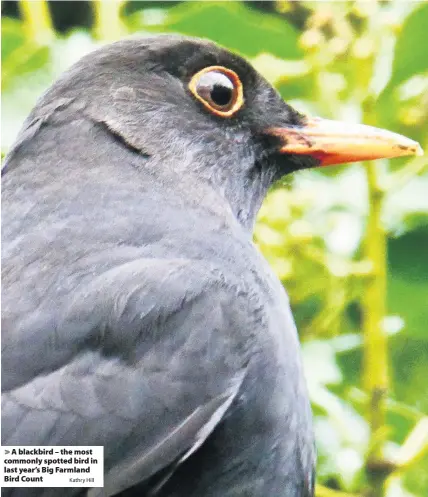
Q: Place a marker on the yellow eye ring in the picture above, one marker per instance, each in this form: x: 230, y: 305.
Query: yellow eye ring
x: 219, y: 89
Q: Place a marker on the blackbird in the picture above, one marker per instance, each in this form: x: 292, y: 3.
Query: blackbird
x: 137, y: 312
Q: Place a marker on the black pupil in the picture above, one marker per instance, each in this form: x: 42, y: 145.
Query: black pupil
x: 221, y: 95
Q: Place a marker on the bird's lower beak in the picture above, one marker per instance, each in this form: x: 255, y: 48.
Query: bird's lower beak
x: 334, y: 142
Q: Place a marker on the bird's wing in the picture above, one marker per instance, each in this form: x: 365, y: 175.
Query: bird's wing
x: 157, y: 361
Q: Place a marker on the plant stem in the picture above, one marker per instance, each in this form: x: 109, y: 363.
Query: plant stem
x: 107, y: 25
x: 415, y: 446
x: 37, y: 20
x: 376, y: 377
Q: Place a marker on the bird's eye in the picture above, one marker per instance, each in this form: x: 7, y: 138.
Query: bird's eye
x: 219, y: 89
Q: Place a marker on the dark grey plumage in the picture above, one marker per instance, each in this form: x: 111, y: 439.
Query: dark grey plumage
x: 137, y: 313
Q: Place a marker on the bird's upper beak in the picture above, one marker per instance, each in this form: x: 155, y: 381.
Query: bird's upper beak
x: 334, y: 142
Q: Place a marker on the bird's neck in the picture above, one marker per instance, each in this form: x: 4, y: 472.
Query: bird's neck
x: 230, y: 192
x: 246, y: 194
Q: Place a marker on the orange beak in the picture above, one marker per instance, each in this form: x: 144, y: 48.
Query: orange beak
x: 334, y: 142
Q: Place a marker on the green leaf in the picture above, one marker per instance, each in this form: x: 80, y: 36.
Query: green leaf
x: 234, y: 26
x: 410, y: 52
x: 12, y: 36
x: 410, y: 60
x: 407, y: 279
x: 28, y: 58
x: 19, y: 55
x: 297, y: 88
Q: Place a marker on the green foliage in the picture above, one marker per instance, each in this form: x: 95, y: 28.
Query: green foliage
x: 202, y: 19
x: 19, y: 55
x: 320, y: 230
x: 410, y: 56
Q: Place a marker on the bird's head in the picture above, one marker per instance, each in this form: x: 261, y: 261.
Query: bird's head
x: 204, y: 114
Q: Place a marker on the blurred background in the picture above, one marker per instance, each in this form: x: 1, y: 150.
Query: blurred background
x: 349, y: 243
